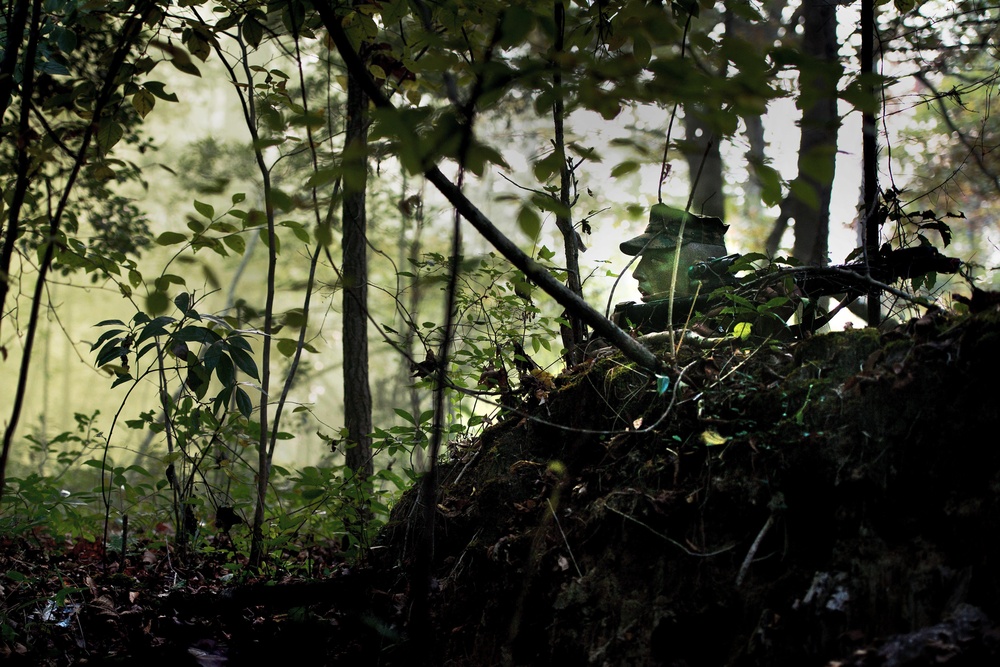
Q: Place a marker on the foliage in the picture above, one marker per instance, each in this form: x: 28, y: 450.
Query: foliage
x: 451, y: 73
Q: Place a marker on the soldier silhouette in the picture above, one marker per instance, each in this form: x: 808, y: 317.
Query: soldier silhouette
x: 703, y: 239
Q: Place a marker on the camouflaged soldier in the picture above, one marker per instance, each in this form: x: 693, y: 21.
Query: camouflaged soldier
x: 703, y: 239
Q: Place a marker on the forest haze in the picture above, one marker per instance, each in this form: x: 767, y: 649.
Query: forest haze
x: 267, y: 267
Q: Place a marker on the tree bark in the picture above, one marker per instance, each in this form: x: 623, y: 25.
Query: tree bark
x: 808, y: 202
x: 869, y: 150
x: 357, y: 390
x: 703, y: 158
x: 575, y: 333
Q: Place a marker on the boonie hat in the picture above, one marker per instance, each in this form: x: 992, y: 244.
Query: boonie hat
x: 665, y: 224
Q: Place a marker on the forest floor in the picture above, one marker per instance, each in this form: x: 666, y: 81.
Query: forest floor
x: 831, y: 501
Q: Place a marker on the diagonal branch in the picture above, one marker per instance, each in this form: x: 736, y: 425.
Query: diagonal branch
x: 531, y: 269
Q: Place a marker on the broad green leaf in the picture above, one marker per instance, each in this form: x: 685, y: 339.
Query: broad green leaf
x: 235, y: 243
x: 224, y: 370
x: 111, y: 352
x: 529, y: 221
x: 770, y: 183
x: 164, y: 282
x: 517, y: 22
x: 186, y: 66
x: 156, y: 87
x: 199, y: 47
x: 287, y: 346
x: 109, y: 134
x: 623, y: 168
x: 243, y: 403
x: 405, y: 415
x: 143, y: 102
x: 642, y: 51
x: 244, y: 361
x: 170, y: 238
x: 65, y: 39
x: 157, y: 302
x: 266, y: 238
x: 206, y: 210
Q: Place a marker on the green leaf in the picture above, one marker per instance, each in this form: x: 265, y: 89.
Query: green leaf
x: 662, y: 384
x: 170, y: 238
x: 405, y: 415
x: 164, y: 282
x: 243, y: 403
x: 109, y: 134
x: 266, y: 239
x: 235, y: 243
x: 65, y: 39
x: 516, y: 24
x: 642, y: 51
x: 157, y: 302
x: 224, y: 370
x: 156, y: 87
x: 244, y: 361
x: 529, y: 221
x: 186, y: 66
x: 143, y: 102
x: 287, y: 346
x: 206, y: 210
x: 198, y: 47
x: 111, y: 352
x: 252, y: 31
x: 156, y: 327
x: 623, y: 168
x: 770, y: 183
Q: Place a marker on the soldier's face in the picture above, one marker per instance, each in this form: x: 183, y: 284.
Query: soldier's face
x: 653, y: 273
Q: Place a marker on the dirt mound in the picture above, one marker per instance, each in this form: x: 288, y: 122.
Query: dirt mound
x: 835, y: 499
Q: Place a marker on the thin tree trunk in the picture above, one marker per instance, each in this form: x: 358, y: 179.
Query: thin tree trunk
x: 869, y: 152
x: 808, y: 202
x: 756, y: 152
x: 702, y: 155
x: 357, y: 391
x: 575, y: 333
x: 15, y: 34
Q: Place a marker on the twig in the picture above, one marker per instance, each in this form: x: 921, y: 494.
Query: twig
x: 664, y: 537
x: 565, y: 541
x: 753, y: 550
x: 776, y: 505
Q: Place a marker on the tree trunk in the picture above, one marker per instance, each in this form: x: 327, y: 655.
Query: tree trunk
x: 357, y: 391
x: 808, y: 202
x: 576, y: 331
x: 704, y: 160
x: 870, y: 159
